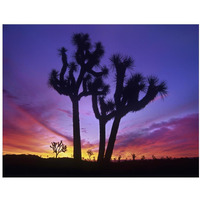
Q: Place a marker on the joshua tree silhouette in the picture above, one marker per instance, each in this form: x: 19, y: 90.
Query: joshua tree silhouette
x: 58, y: 147
x: 90, y: 153
x: 103, y: 110
x: 143, y: 158
x: 133, y: 156
x: 153, y: 157
x: 126, y: 96
x: 119, y: 158
x: 85, y: 60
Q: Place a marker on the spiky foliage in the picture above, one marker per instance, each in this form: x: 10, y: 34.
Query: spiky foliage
x: 77, y: 74
x: 120, y: 64
x: 98, y: 85
x: 133, y: 87
x: 127, y: 94
x: 103, y: 110
x: 58, y: 147
x: 86, y: 60
x: 106, y: 106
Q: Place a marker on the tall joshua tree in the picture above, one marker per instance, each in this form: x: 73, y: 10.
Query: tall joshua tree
x: 126, y: 96
x: 74, y: 76
x: 103, y: 110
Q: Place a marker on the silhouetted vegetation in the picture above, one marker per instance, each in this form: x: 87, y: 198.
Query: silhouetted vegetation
x: 126, y: 95
x: 104, y: 112
x: 34, y: 166
x: 58, y: 147
x: 153, y: 157
x: 119, y: 158
x: 143, y: 158
x: 90, y: 153
x: 66, y: 83
x: 133, y: 156
x: 125, y: 100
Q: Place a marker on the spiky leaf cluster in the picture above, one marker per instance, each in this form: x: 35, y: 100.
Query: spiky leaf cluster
x: 106, y: 106
x: 98, y: 87
x: 66, y: 82
x: 120, y: 64
x: 127, y: 92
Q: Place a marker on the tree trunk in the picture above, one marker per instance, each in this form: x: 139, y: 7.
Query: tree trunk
x: 102, y: 140
x: 76, y: 131
x: 112, y: 139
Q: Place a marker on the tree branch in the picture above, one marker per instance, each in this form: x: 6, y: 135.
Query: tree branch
x: 95, y: 106
x: 65, y: 64
x: 111, y: 115
x: 87, y: 93
x: 95, y: 74
x: 80, y: 78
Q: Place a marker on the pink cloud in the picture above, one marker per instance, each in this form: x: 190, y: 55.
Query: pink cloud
x: 25, y: 128
x: 23, y: 131
x: 68, y: 112
x: 177, y: 137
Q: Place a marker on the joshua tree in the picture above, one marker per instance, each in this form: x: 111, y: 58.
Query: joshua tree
x: 119, y: 158
x: 133, y: 156
x: 90, y: 153
x: 153, y: 157
x: 168, y: 158
x: 143, y: 158
x: 58, y: 147
x: 75, y: 75
x: 126, y: 96
x: 103, y: 110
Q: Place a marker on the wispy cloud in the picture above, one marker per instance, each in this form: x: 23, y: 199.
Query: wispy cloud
x: 26, y: 128
x: 23, y: 130
x: 84, y: 130
x: 68, y: 112
x: 8, y: 94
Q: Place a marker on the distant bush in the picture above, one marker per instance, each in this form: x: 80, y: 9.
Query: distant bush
x: 133, y: 156
x: 143, y: 158
x: 90, y: 153
x: 153, y: 157
x: 119, y: 158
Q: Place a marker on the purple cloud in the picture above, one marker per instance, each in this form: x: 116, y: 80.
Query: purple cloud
x: 177, y: 134
x: 68, y: 112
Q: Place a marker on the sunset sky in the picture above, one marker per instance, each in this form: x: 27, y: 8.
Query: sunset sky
x: 34, y: 115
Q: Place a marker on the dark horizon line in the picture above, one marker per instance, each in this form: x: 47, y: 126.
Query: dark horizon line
x: 158, y: 158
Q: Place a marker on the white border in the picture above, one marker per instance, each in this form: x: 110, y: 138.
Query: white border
x: 99, y: 12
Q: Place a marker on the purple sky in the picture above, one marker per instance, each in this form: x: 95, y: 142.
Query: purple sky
x: 168, y: 51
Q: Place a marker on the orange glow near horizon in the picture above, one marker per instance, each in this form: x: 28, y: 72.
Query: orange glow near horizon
x: 27, y: 134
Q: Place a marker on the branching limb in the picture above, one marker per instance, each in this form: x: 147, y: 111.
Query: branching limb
x: 65, y: 64
x: 95, y: 106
